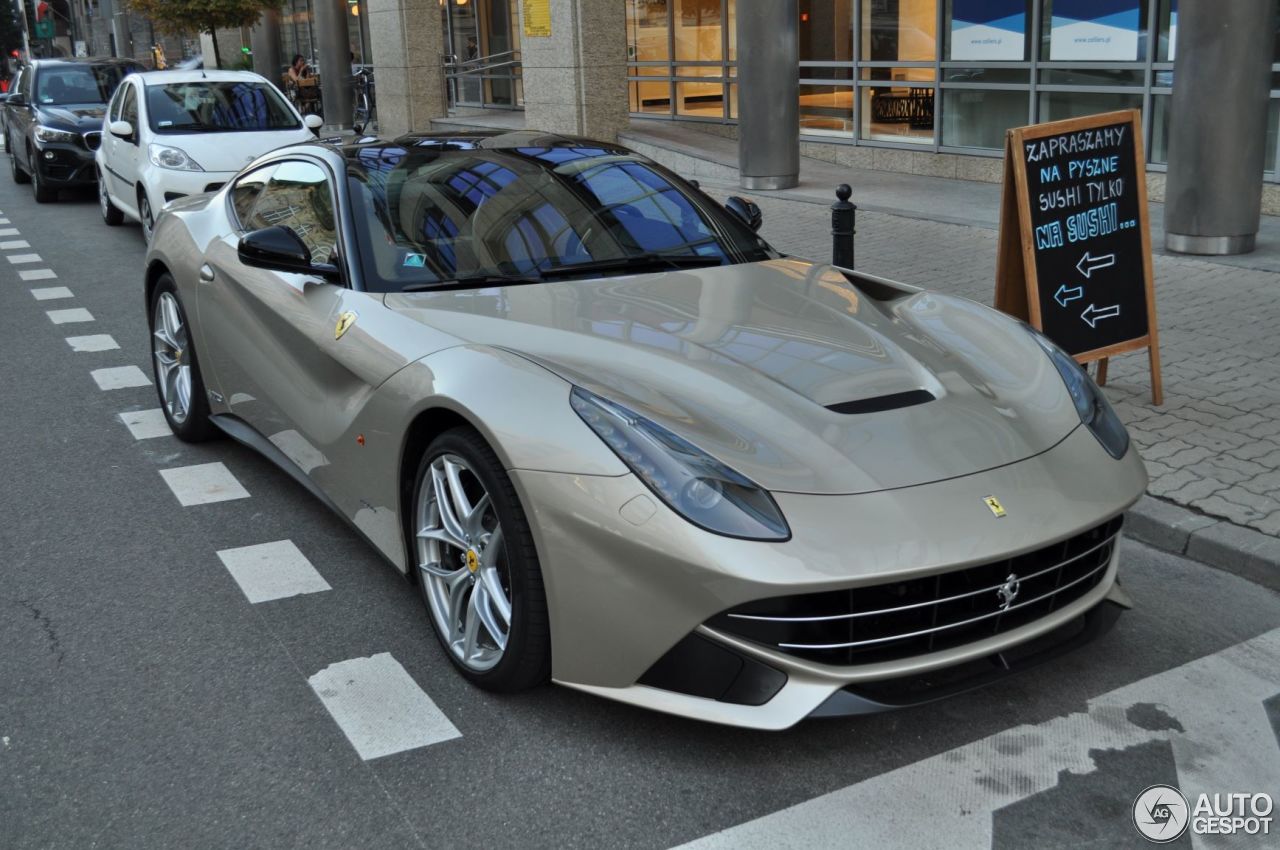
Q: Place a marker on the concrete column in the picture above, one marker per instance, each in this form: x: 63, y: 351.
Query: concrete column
x: 408, y: 42
x: 264, y: 41
x: 575, y: 79
x: 1217, y: 130
x: 334, y: 51
x: 768, y: 94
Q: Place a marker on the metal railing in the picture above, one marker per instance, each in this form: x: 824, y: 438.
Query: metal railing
x: 488, y: 82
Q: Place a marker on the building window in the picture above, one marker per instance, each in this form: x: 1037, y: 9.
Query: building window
x: 899, y: 48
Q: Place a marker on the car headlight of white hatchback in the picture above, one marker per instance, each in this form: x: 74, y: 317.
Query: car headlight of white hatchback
x: 164, y: 156
x: 1095, y: 411
x: 695, y: 485
x: 44, y: 135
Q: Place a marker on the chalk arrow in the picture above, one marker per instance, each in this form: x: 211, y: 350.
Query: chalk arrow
x: 1088, y: 265
x: 1065, y: 296
x: 1092, y: 314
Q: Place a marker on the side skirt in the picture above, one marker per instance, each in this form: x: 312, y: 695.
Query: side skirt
x: 243, y: 433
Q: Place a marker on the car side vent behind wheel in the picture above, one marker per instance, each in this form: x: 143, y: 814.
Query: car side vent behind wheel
x: 883, y: 402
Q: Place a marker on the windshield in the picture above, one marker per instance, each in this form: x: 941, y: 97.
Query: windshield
x: 436, y: 214
x: 78, y: 84
x: 218, y: 107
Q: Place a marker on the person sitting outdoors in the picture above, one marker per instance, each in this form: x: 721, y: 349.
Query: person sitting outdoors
x: 298, y: 68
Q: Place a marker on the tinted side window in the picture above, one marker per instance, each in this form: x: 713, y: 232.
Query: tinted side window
x: 246, y: 191
x: 299, y: 196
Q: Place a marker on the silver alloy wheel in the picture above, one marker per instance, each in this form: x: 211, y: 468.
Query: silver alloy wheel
x: 103, y: 199
x: 171, y: 350
x: 463, y: 563
x: 144, y: 215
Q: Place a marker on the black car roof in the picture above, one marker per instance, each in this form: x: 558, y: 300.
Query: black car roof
x: 106, y: 60
x: 479, y: 140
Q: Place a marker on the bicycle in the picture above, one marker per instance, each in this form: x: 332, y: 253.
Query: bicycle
x: 362, y: 103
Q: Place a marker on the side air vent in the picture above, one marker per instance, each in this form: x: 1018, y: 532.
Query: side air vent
x: 883, y: 402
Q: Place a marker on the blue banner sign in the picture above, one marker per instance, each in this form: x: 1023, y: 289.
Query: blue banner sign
x: 986, y: 30
x: 1094, y: 31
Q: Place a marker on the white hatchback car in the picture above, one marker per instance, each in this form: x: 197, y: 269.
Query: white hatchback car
x: 168, y: 134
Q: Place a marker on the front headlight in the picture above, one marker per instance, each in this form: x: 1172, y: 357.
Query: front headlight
x: 1094, y: 409
x: 45, y: 135
x: 165, y: 156
x: 697, y: 486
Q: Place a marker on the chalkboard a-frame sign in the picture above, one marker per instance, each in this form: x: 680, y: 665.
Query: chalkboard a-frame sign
x: 1075, y: 243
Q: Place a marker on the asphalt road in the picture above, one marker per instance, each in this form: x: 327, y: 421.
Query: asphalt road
x: 145, y: 702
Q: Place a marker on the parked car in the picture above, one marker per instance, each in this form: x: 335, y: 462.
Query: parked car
x: 176, y: 133
x: 53, y: 120
x: 620, y: 442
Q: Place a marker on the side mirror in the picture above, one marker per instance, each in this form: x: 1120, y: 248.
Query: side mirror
x: 746, y: 210
x: 121, y: 129
x: 279, y: 249
x: 313, y: 123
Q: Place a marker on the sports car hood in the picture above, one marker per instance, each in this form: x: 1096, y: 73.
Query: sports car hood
x: 786, y: 371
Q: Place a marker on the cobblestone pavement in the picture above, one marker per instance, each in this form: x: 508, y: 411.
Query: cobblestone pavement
x: 1214, y: 445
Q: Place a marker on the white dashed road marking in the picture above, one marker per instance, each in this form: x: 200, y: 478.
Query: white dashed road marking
x: 63, y: 317
x: 379, y: 707
x: 93, y: 342
x: 9, y: 231
x: 4, y: 221
x: 37, y: 274
x: 16, y: 259
x: 51, y: 292
x: 120, y: 377
x: 1217, y: 700
x: 14, y: 243
x: 145, y: 424
x: 203, y: 483
x: 270, y: 571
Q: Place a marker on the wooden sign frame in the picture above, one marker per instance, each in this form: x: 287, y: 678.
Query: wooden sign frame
x: 1017, y: 285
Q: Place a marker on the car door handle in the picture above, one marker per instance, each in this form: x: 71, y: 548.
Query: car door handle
x: 206, y: 273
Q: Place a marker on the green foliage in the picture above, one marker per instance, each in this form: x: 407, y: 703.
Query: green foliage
x: 179, y: 16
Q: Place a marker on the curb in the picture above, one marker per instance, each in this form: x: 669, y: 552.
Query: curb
x: 1216, y: 543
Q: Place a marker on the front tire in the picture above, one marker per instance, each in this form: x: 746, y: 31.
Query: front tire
x: 19, y: 176
x: 145, y: 215
x: 44, y: 193
x: 111, y: 214
x: 175, y: 367
x: 478, y: 567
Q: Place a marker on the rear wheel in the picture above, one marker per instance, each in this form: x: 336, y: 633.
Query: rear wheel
x: 110, y: 212
x: 19, y: 176
x: 177, y: 372
x: 478, y: 567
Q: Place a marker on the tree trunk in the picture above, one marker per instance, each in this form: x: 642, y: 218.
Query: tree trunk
x: 217, y: 57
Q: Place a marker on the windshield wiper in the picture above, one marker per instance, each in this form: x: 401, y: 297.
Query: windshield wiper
x: 636, y: 263
x: 473, y: 281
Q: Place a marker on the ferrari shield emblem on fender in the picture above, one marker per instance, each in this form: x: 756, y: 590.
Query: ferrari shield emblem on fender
x: 994, y: 505
x: 345, y: 321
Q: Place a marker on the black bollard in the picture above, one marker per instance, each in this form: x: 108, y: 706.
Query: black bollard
x: 843, y: 221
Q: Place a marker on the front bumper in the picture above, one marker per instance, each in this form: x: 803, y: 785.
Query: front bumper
x: 166, y: 185
x: 627, y: 579
x: 63, y: 164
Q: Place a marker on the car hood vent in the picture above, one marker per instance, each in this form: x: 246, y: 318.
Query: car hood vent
x: 892, y: 401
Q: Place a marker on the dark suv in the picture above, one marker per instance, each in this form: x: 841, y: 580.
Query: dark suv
x: 53, y: 120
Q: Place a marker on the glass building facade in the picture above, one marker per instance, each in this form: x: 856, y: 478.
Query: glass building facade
x: 948, y: 76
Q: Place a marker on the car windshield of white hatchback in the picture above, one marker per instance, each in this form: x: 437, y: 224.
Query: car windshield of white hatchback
x: 440, y: 215
x: 232, y: 106
x: 76, y: 84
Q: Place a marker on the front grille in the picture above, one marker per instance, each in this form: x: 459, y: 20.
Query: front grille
x: 213, y: 187
x: 885, y: 622
x: 92, y: 140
